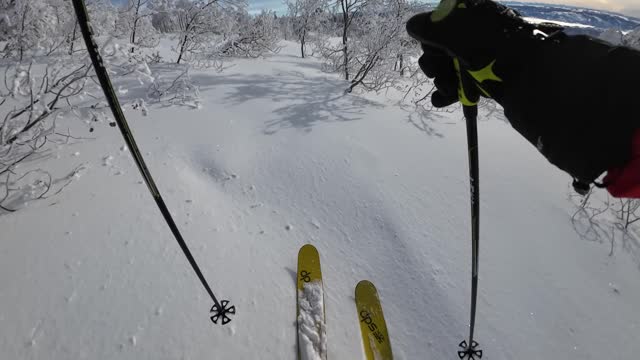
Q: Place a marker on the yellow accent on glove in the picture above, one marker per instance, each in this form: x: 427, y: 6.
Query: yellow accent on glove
x: 462, y: 95
x: 485, y: 73
x: 443, y: 10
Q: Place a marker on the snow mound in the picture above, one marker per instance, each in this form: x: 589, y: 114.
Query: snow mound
x: 613, y: 36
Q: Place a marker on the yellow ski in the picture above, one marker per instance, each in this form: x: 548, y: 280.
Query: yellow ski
x: 375, y: 337
x: 312, y: 338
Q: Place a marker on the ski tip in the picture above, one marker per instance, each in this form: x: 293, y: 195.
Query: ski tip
x: 373, y: 328
x: 365, y: 285
x: 309, y: 269
x: 307, y: 248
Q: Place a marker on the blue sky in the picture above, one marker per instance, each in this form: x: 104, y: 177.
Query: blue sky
x: 258, y: 5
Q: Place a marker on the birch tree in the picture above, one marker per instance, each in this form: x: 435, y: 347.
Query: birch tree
x: 138, y: 21
x: 304, y: 16
x: 376, y: 54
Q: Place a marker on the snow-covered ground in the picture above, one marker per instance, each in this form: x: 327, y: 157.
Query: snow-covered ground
x: 277, y: 157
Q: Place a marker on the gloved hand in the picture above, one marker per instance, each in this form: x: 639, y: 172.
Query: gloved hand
x: 470, y: 32
x: 569, y: 96
x: 437, y: 65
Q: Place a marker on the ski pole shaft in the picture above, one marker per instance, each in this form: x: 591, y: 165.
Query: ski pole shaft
x: 471, y: 115
x: 103, y: 77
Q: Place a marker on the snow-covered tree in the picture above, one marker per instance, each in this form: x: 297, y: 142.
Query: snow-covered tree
x: 404, y: 45
x: 25, y: 27
x: 43, y: 27
x: 376, y: 52
x: 303, y: 16
x: 284, y: 24
x: 31, y: 98
x: 104, y: 17
x: 6, y: 24
x: 137, y: 19
x: 350, y: 10
x: 255, y: 36
x: 374, y: 43
x: 198, y: 22
x: 162, y: 17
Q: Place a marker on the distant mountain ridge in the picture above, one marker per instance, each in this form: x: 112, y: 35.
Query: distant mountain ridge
x: 617, y: 37
x: 598, y: 19
x: 612, y: 27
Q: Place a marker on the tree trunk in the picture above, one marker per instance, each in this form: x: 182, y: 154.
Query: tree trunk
x: 133, y: 35
x: 302, y: 42
x: 22, y: 36
x: 184, y: 42
x: 362, y: 73
x: 135, y: 25
x: 73, y: 37
x: 345, y: 47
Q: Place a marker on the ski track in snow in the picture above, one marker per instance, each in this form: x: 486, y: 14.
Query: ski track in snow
x: 277, y: 157
x: 311, y: 325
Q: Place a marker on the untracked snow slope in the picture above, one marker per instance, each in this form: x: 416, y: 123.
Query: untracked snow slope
x: 278, y: 157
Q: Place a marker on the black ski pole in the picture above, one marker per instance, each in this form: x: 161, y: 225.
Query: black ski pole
x: 220, y: 309
x: 469, y: 96
x: 470, y: 349
x: 424, y: 28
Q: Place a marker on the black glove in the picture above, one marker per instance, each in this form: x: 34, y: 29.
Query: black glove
x: 572, y: 97
x: 437, y: 65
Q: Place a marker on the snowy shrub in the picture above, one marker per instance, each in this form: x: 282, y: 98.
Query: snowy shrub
x: 174, y: 90
x: 34, y: 97
x: 259, y: 35
x: 338, y: 55
x: 627, y: 212
x: 198, y: 24
x: 26, y: 24
x: 601, y: 218
x: 374, y: 53
x: 104, y: 16
x: 285, y: 28
x: 36, y: 28
x: 31, y: 101
x: 373, y: 47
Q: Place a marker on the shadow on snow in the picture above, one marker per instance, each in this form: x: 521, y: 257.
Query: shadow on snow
x: 297, y: 101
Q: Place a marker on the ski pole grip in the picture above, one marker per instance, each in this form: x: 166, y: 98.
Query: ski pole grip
x: 433, y: 29
x: 468, y: 92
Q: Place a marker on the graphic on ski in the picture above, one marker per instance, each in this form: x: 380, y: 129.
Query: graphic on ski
x: 312, y: 339
x: 375, y: 337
